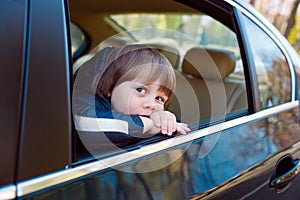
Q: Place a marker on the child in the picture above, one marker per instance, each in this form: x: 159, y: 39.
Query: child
x: 134, y: 87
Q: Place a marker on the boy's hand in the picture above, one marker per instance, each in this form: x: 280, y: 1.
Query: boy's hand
x: 182, y: 128
x: 166, y: 122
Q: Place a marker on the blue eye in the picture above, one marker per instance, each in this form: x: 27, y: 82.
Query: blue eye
x: 160, y: 99
x: 141, y: 90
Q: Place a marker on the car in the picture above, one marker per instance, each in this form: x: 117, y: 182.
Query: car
x: 237, y: 89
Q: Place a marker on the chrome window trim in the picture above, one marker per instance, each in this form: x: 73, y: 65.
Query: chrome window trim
x: 62, y: 176
x: 275, y: 39
x: 8, y: 192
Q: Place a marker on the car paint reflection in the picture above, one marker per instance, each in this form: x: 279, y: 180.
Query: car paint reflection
x: 235, y: 155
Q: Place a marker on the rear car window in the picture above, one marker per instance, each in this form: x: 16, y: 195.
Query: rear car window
x: 204, y: 54
x: 272, y: 69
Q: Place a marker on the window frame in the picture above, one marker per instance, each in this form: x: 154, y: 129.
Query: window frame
x: 274, y: 35
x: 45, y: 127
x: 230, y: 22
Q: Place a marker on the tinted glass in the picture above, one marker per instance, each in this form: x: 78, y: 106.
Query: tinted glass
x: 79, y: 40
x: 272, y: 69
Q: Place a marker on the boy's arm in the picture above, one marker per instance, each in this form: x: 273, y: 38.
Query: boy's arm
x: 149, y: 126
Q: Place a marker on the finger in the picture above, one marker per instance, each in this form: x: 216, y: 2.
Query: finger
x: 186, y: 129
x: 156, y: 119
x: 182, y: 128
x: 164, y: 125
x: 173, y: 124
x: 183, y: 124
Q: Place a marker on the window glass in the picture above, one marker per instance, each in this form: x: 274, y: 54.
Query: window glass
x: 272, y: 69
x: 78, y: 39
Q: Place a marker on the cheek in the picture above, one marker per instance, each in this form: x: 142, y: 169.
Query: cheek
x: 160, y: 107
x: 134, y: 103
x: 120, y: 101
x: 125, y: 101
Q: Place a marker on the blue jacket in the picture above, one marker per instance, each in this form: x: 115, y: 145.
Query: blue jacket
x: 94, y: 120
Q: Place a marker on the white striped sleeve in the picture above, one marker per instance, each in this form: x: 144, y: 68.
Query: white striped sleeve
x: 91, y: 124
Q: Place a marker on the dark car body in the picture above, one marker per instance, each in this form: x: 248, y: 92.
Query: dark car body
x: 250, y: 152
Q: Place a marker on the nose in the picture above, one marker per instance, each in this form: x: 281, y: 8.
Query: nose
x: 150, y: 104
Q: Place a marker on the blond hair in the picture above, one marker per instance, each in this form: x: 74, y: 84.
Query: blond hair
x: 126, y: 63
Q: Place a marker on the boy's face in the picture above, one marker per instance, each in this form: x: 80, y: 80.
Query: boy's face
x: 136, y: 98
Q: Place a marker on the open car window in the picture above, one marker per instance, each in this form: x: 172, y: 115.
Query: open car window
x: 197, y: 27
x: 204, y: 53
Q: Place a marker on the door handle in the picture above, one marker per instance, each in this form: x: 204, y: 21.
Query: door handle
x: 286, y: 171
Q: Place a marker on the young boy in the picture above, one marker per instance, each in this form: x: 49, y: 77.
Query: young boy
x: 132, y: 89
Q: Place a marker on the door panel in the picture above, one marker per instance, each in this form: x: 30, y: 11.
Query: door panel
x: 282, y: 133
x: 12, y: 39
x: 239, y: 165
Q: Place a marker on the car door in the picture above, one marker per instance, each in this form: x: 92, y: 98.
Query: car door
x: 233, y: 157
x: 273, y: 73
x: 276, y: 91
x: 233, y: 154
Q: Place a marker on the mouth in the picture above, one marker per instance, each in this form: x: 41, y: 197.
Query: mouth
x: 144, y: 116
